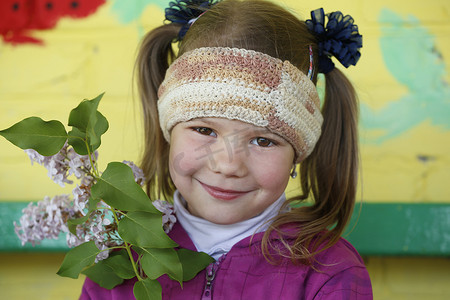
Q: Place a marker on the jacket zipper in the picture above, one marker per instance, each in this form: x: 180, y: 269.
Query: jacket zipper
x: 210, y: 275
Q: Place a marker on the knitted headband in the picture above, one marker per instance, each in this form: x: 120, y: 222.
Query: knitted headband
x: 243, y: 85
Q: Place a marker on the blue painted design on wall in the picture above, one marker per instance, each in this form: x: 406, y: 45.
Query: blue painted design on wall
x: 131, y: 10
x: 411, y: 57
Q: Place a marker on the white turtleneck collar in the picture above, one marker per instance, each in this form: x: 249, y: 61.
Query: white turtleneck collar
x: 215, y: 239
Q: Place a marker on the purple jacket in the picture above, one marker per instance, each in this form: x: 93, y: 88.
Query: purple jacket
x: 244, y: 273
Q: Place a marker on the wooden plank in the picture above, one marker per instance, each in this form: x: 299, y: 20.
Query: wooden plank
x: 401, y: 229
x: 381, y: 229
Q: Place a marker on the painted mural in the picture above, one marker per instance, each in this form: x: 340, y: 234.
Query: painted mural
x: 410, y: 54
x: 127, y: 13
x: 95, y: 47
x: 19, y: 18
x: 99, y: 57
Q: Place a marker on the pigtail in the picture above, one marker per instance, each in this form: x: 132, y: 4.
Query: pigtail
x: 153, y: 60
x: 330, y: 173
x: 328, y: 176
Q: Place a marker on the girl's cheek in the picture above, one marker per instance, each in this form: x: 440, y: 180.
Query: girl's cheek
x: 181, y: 163
x: 274, y: 180
x: 275, y: 171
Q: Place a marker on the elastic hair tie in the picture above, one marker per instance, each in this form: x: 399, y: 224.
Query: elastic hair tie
x: 339, y: 38
x: 186, y: 13
x: 311, y: 60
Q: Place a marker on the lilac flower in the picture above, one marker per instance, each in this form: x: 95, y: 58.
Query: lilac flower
x: 104, y: 254
x: 81, y: 196
x: 54, y: 164
x: 45, y: 220
x: 139, y: 176
x: 97, y: 228
x: 73, y: 240
x: 87, y: 180
x: 35, y: 156
x: 63, y: 164
x: 49, y: 217
x: 75, y: 166
x: 168, y: 218
x: 79, y: 165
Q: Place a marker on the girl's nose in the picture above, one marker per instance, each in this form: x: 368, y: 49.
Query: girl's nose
x: 229, y: 159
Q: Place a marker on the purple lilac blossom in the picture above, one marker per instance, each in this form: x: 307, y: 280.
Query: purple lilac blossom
x: 97, y: 228
x: 63, y: 164
x: 49, y: 217
x: 139, y: 176
x: 45, y: 219
x: 168, y: 218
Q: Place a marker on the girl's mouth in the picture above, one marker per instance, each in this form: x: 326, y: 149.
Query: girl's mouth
x: 222, y: 194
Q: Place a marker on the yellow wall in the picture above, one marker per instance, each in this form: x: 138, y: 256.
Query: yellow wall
x: 82, y: 58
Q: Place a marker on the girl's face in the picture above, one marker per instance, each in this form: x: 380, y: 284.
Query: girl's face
x: 227, y: 170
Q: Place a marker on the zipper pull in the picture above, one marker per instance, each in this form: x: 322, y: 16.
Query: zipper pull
x: 210, y: 274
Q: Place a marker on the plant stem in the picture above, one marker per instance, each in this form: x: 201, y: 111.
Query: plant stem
x: 112, y: 248
x: 93, y: 165
x: 128, y: 248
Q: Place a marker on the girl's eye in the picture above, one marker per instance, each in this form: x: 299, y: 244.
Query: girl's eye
x: 204, y: 131
x: 262, y: 142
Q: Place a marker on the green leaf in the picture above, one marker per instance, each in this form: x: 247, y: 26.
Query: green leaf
x: 193, y: 262
x: 100, y: 128
x: 147, y: 289
x: 88, y: 123
x: 84, y: 116
x: 157, y: 262
x: 118, y: 189
x: 78, y: 140
x: 103, y: 275
x: 120, y: 263
x: 77, y: 259
x: 144, y: 230
x: 47, y: 138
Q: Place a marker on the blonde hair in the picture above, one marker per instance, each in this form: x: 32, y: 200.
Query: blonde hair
x: 328, y: 176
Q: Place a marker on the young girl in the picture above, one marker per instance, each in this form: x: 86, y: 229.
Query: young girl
x: 227, y: 119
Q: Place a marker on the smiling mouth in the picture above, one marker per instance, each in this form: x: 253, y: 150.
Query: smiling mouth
x: 222, y: 194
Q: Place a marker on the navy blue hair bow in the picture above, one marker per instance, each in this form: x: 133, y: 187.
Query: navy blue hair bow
x: 339, y: 38
x: 185, y: 12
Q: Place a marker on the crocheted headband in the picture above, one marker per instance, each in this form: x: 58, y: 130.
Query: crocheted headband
x: 243, y: 85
